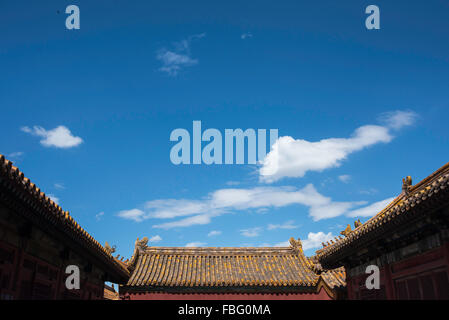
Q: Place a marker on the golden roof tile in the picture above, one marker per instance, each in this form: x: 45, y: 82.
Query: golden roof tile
x: 411, y: 196
x: 15, y: 180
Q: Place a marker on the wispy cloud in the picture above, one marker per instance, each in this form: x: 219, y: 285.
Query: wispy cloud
x: 15, y: 155
x: 313, y: 240
x: 370, y: 210
x: 59, y: 137
x: 398, y: 119
x: 246, y: 35
x: 345, y: 178
x: 291, y: 157
x: 99, y: 215
x: 196, y: 244
x: 287, y: 225
x: 133, y: 214
x: 59, y: 186
x: 179, y: 57
x: 214, y: 233
x: 201, y: 212
x: 251, y: 232
x: 53, y: 197
x: 156, y: 238
x: 369, y: 191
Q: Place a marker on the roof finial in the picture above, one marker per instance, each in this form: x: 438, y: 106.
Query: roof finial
x: 296, y: 244
x: 357, y: 224
x: 110, y: 250
x: 406, y: 184
x: 347, y: 231
x: 142, y: 244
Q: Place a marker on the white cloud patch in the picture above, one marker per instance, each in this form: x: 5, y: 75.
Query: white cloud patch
x: 54, y: 198
x: 195, y: 244
x: 214, y: 233
x: 398, y: 119
x: 251, y: 232
x: 59, y: 186
x: 15, y: 155
x: 133, y: 214
x: 246, y: 35
x: 187, y: 222
x: 156, y: 238
x: 287, y: 225
x: 180, y: 57
x: 291, y: 157
x: 59, y: 137
x: 345, y: 178
x: 222, y: 201
x: 370, y: 210
x: 313, y: 240
x: 99, y: 215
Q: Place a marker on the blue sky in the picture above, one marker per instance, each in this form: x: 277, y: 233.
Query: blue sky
x: 87, y: 114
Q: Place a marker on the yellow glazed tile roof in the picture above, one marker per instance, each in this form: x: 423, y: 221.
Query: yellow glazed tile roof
x: 225, y: 267
x: 14, y: 180
x: 420, y: 194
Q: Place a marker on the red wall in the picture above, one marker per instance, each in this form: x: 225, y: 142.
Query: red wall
x: 425, y: 276
x: 322, y: 295
x: 26, y: 277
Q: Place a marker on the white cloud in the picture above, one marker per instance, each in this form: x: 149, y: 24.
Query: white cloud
x: 282, y: 244
x: 370, y: 210
x: 246, y: 35
x: 214, y: 233
x: 133, y: 214
x: 15, y: 155
x: 174, y: 60
x: 398, y: 119
x: 345, y: 178
x: 251, y: 232
x: 313, y: 240
x: 369, y: 191
x: 264, y: 245
x: 291, y: 157
x: 59, y: 137
x: 54, y: 198
x: 99, y: 215
x: 155, y: 238
x: 187, y: 222
x: 287, y: 225
x: 222, y: 201
x: 332, y: 209
x: 195, y: 244
x: 59, y: 186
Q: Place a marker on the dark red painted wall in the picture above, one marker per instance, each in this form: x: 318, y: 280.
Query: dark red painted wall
x: 425, y: 276
x: 26, y: 277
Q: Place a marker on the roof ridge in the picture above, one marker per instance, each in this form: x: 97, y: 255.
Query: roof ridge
x: 423, y: 189
x: 17, y: 176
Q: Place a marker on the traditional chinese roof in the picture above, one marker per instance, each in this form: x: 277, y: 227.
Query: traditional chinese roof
x: 110, y: 293
x: 429, y: 194
x: 161, y: 268
x: 46, y: 211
